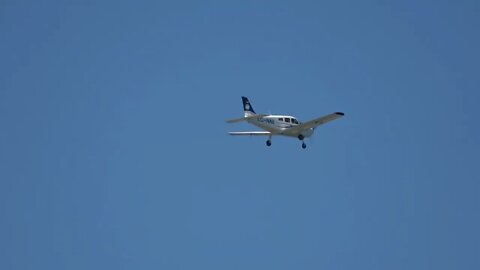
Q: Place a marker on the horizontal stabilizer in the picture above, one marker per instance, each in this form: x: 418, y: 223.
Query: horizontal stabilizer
x: 236, y: 120
x: 251, y: 133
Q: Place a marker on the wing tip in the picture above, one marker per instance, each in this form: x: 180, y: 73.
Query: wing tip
x: 340, y: 113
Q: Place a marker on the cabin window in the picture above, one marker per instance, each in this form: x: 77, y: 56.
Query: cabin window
x: 294, y: 121
x: 287, y: 120
x: 280, y: 119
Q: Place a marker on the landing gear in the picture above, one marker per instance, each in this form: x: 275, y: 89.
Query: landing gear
x: 269, y: 141
x: 301, y: 138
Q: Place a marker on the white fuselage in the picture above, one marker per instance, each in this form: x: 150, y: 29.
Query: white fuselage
x: 280, y: 125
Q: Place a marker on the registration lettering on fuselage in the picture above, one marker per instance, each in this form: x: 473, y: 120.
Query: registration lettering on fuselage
x: 266, y: 120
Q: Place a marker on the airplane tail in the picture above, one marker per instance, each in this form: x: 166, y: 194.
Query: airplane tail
x: 247, y: 107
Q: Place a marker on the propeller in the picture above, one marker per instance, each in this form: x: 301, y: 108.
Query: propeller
x: 313, y: 136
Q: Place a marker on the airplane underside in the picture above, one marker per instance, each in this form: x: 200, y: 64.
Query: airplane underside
x: 283, y: 132
x: 300, y: 137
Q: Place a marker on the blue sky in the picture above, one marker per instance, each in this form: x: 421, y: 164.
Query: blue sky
x: 114, y: 152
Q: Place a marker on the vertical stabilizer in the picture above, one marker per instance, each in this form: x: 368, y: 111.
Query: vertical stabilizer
x: 247, y: 107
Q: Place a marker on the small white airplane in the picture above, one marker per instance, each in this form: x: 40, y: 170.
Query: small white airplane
x: 280, y: 124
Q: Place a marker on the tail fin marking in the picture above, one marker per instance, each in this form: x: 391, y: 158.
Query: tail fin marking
x: 247, y: 107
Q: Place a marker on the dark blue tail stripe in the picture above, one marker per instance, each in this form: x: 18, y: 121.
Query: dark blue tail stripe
x: 246, y: 105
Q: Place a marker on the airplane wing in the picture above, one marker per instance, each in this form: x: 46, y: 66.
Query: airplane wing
x: 251, y: 133
x: 316, y: 122
x: 236, y: 120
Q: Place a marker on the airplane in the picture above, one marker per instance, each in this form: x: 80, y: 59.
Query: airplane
x: 284, y: 125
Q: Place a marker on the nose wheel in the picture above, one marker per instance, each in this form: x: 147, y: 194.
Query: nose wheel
x: 269, y: 142
x: 301, y: 138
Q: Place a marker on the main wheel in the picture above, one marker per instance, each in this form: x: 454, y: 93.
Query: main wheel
x: 304, y: 145
x: 269, y: 143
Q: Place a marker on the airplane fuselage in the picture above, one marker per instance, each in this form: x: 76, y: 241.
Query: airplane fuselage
x: 280, y: 125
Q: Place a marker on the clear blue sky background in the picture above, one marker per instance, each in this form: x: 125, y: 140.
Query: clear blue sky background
x: 114, y: 152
